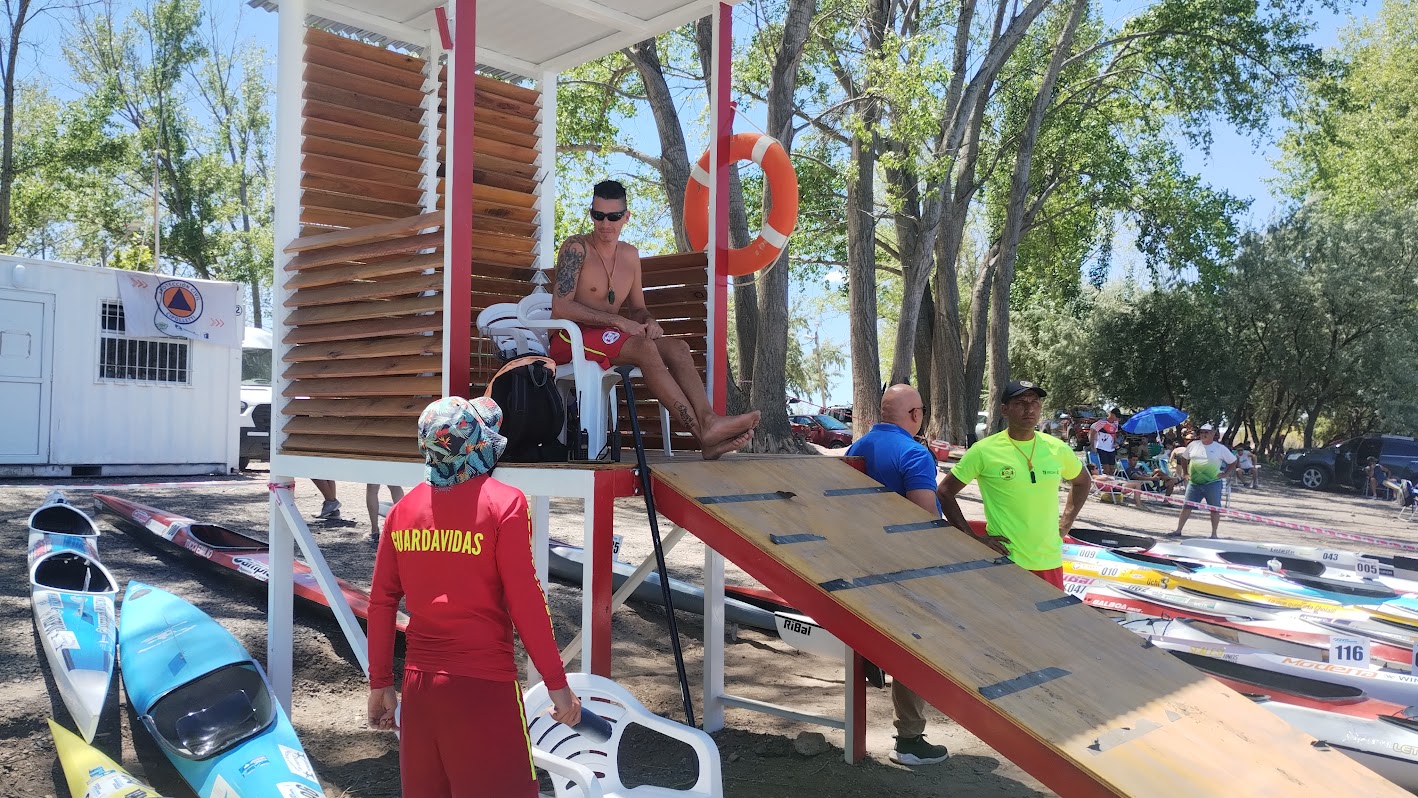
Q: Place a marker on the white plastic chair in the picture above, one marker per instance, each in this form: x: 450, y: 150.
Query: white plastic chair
x: 570, y: 757
x: 595, y: 387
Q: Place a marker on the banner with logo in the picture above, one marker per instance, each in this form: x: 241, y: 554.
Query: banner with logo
x: 158, y: 306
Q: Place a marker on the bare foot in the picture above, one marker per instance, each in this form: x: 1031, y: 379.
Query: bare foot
x: 718, y: 429
x: 720, y: 449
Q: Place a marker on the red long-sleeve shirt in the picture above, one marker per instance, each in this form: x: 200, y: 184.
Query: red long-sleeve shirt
x: 462, y: 559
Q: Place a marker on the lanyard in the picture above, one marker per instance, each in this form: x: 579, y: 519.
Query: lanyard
x: 1028, y: 458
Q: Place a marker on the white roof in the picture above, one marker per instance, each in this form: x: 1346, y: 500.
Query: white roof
x: 524, y: 37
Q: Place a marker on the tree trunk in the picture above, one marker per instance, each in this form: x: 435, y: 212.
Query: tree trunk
x: 770, y: 384
x: 861, y: 287
x: 1312, y: 419
x: 674, y: 153
x: 17, y: 21
x: 1015, y: 212
x: 254, y: 317
x: 925, y: 339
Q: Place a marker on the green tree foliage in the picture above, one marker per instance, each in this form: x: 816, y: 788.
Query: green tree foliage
x: 1355, y: 137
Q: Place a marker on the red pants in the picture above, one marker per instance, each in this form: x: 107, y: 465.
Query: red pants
x: 461, y: 737
x: 1053, y: 576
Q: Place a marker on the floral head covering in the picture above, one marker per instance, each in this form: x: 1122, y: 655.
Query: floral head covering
x: 459, y: 439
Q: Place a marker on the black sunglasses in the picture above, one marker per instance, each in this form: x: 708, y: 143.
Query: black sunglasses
x: 613, y: 216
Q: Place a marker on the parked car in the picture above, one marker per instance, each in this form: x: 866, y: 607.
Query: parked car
x: 823, y: 430
x: 1343, y: 463
x: 255, y: 396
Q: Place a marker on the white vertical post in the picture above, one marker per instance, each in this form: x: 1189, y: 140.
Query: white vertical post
x: 451, y: 152
x: 588, y: 545
x: 280, y: 599
x: 713, y: 561
x: 713, y: 640
x: 430, y: 121
x: 546, y: 197
x: 541, y: 532
x: 290, y: 82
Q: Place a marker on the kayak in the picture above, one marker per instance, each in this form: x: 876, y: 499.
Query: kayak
x: 1217, y: 583
x: 1184, y: 636
x: 246, y: 555
x: 206, y: 702
x: 73, y: 599
x: 1163, y: 603
x: 56, y: 516
x: 565, y: 563
x: 1378, y: 734
x: 1386, y: 744
x: 1296, y: 634
x: 1339, y: 591
x: 1137, y: 574
x: 90, y: 773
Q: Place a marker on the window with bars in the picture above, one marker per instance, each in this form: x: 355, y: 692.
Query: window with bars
x: 147, y: 360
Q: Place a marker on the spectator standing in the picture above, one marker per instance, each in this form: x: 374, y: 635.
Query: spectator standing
x: 1019, y: 472
x: 1209, y: 464
x: 1104, y: 440
x: 897, y: 461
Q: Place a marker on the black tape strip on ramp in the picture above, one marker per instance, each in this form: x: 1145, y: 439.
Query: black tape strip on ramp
x: 1061, y: 601
x: 746, y: 497
x: 912, y: 573
x: 939, y: 523
x: 856, y: 491
x: 804, y: 537
x: 999, y: 690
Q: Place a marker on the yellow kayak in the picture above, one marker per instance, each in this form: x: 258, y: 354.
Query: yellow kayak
x: 1116, y: 572
x: 90, y: 773
x: 1220, y: 588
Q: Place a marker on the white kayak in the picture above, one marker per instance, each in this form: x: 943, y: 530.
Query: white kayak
x: 1387, y: 745
x: 1182, y: 635
x: 56, y: 515
x: 73, y: 597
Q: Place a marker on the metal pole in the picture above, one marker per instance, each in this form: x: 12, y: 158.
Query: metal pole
x: 665, y: 591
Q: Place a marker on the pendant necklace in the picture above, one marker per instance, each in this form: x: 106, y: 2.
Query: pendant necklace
x: 610, y: 274
x: 1028, y: 458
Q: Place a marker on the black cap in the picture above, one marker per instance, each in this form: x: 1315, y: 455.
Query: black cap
x: 1020, y: 387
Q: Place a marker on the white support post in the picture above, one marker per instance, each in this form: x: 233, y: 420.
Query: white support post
x: 315, y: 560
x: 588, y: 545
x: 290, y: 82
x: 713, y: 640
x: 546, y: 192
x: 280, y: 600
x: 541, y: 533
x: 430, y: 121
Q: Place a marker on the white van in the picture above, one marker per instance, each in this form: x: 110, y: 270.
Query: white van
x: 255, y: 395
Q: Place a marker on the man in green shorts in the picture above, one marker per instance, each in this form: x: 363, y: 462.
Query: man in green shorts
x: 1020, y: 471
x: 1209, y: 465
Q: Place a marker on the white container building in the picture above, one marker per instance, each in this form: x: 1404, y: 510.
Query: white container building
x: 78, y: 397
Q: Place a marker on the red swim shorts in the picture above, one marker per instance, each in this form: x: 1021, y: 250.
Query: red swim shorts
x: 1053, y: 576
x: 602, y: 344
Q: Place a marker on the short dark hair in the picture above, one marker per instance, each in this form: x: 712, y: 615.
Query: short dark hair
x: 609, y: 190
x: 1113, y: 411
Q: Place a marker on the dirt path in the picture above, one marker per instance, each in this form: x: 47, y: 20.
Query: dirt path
x: 757, y: 750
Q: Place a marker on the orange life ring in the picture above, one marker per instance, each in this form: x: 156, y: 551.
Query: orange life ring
x: 781, y: 218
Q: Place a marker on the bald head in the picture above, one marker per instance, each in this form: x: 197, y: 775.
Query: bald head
x: 899, y: 406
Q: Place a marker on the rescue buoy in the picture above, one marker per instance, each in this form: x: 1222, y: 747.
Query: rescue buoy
x: 780, y: 219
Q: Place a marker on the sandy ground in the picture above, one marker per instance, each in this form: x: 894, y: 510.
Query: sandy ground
x: 757, y: 750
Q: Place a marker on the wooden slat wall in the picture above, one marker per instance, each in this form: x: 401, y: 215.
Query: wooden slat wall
x: 364, y: 129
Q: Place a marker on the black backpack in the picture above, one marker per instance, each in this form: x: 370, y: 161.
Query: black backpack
x: 533, y: 412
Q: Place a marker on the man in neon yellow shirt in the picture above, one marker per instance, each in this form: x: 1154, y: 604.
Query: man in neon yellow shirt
x: 1019, y: 471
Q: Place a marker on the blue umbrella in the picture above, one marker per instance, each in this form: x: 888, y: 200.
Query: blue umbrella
x: 1154, y: 419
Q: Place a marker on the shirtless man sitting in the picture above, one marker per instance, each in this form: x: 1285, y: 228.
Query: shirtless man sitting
x: 607, y: 302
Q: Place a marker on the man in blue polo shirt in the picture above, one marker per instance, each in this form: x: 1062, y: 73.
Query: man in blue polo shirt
x: 896, y: 460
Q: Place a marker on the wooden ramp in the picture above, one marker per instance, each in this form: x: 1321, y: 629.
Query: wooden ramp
x: 1047, y: 681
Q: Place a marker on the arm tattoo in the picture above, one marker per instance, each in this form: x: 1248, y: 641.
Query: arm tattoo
x: 568, y: 267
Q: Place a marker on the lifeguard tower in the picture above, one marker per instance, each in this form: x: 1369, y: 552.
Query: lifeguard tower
x: 415, y: 188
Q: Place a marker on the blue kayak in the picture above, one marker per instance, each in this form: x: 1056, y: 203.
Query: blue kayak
x: 206, y: 702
